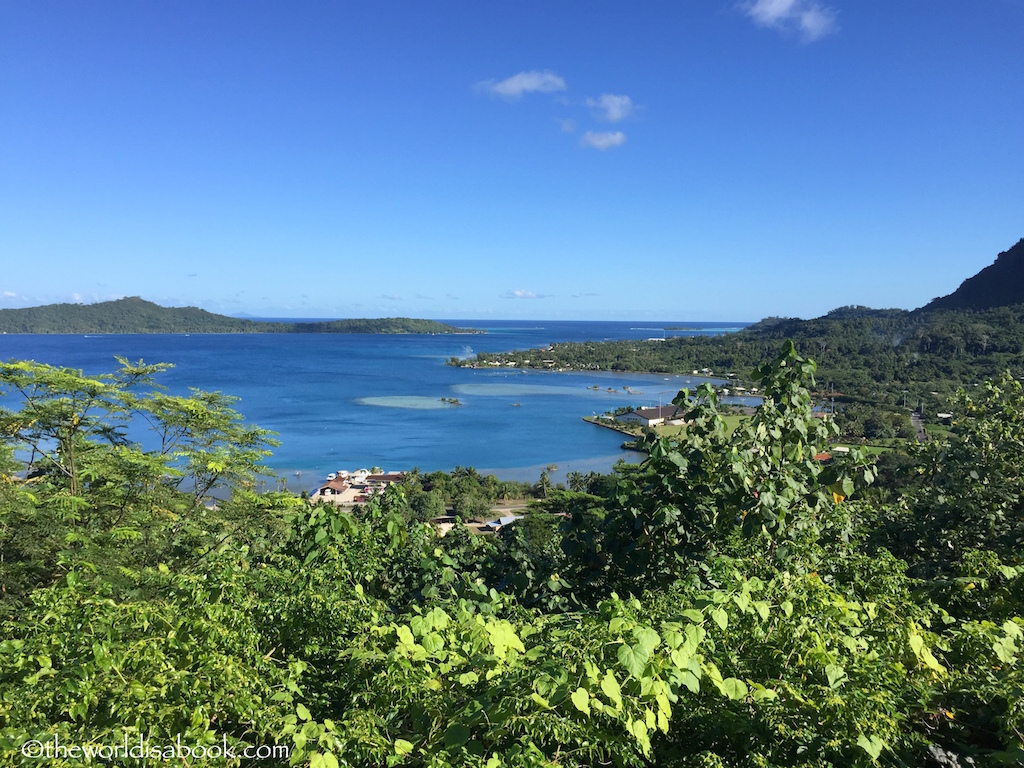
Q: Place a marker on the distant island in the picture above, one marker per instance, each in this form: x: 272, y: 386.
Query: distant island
x: 135, y: 315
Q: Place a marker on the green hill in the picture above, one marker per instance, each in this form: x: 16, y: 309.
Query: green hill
x: 135, y: 315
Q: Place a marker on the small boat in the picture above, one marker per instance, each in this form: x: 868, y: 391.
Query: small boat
x: 332, y: 476
x: 516, y: 405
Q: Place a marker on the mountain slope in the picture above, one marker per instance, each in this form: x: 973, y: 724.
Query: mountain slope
x: 1000, y: 284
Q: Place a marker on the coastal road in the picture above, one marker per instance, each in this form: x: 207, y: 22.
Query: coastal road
x: 915, y: 419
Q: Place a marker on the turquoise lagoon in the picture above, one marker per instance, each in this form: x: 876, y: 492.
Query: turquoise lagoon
x: 345, y: 401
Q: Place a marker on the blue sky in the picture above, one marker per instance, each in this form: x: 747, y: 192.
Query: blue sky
x: 553, y: 160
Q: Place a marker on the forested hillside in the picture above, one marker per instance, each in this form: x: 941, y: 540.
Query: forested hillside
x: 135, y: 315
x: 885, y: 355
x: 130, y: 315
x: 730, y: 602
x: 998, y: 285
x: 860, y: 350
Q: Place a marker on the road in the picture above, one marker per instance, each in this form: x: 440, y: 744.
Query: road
x: 915, y: 418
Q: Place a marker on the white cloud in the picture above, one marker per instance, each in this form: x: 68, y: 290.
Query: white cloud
x: 533, y: 81
x: 9, y: 295
x: 612, y: 107
x: 520, y: 294
x: 603, y: 139
x: 568, y: 125
x: 813, y: 20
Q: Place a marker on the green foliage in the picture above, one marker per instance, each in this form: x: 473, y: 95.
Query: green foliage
x: 84, y: 494
x: 92, y: 666
x: 970, y: 490
x: 761, y: 478
x: 731, y: 602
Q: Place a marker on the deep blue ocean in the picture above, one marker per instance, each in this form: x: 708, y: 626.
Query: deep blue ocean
x: 344, y: 401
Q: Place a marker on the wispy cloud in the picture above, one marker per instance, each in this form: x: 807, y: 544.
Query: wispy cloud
x: 520, y: 294
x: 612, y: 107
x: 811, y: 19
x: 568, y: 125
x: 390, y: 296
x: 514, y: 87
x: 603, y: 139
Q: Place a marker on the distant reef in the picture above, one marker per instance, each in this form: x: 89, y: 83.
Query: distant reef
x: 135, y: 315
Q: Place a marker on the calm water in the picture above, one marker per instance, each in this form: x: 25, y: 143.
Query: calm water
x: 347, y: 401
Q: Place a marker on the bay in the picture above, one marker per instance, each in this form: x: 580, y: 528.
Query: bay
x: 343, y: 401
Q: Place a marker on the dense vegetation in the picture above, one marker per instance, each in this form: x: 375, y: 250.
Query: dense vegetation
x: 135, y: 315
x: 729, y: 602
x: 860, y: 351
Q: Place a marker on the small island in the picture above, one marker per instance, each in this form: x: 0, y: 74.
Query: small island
x: 136, y: 315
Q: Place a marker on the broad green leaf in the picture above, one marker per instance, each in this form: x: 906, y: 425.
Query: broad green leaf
x: 835, y: 674
x: 633, y: 658
x: 720, y: 617
x: 647, y: 637
x: 403, y: 747
x: 764, y: 694
x: 611, y: 689
x: 693, y: 615
x: 930, y: 661
x: 540, y: 701
x: 690, y: 681
x: 405, y: 636
x: 733, y: 688
x: 302, y: 712
x: 872, y: 745
x: 581, y: 700
x: 456, y: 735
x: 433, y: 642
x: 916, y: 644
